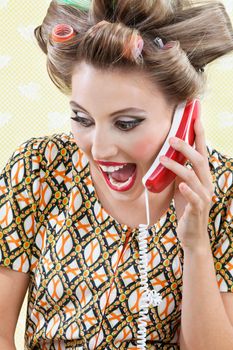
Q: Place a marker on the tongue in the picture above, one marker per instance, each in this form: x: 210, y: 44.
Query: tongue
x: 124, y: 174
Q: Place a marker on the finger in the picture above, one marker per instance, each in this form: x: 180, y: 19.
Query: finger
x: 199, y: 161
x: 192, y: 198
x: 200, y: 140
x: 185, y: 174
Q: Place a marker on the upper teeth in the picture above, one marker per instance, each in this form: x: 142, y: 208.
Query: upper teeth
x: 111, y: 169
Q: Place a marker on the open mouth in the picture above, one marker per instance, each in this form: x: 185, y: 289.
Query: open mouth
x: 120, y: 178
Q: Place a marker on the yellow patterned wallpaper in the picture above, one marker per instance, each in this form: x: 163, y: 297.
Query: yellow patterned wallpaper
x: 31, y: 106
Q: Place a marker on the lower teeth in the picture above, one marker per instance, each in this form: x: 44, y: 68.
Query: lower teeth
x: 118, y: 184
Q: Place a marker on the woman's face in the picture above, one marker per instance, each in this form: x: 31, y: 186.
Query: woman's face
x: 120, y: 145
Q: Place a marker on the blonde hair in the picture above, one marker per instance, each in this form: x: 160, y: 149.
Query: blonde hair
x: 199, y: 32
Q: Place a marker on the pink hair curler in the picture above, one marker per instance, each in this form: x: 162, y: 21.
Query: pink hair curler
x: 62, y: 32
x: 138, y: 46
x: 135, y: 47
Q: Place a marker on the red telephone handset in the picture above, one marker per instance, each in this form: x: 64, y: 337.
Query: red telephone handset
x: 158, y: 177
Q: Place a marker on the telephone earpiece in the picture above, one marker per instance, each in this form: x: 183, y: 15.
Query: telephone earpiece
x: 158, y: 177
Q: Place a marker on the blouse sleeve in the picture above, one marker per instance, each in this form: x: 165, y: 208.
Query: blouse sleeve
x: 221, y: 220
x: 19, y: 187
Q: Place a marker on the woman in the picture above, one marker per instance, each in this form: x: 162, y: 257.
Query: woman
x: 71, y: 205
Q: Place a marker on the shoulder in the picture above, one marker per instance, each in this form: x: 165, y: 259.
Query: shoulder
x: 44, y: 150
x: 221, y: 213
x: 50, y: 144
x: 220, y: 226
x: 42, y: 144
x: 38, y: 158
x: 221, y: 167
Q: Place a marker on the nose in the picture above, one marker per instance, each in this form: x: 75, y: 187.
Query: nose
x: 104, y: 146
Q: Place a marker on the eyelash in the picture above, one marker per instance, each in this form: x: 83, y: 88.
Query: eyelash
x: 130, y: 124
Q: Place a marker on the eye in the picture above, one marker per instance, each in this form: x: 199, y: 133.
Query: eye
x: 128, y: 125
x: 82, y: 121
x: 123, y: 125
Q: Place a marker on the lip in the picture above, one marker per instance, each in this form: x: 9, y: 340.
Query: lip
x: 124, y: 188
x: 100, y: 162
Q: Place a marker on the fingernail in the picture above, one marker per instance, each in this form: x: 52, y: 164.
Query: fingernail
x: 174, y: 141
x: 163, y: 159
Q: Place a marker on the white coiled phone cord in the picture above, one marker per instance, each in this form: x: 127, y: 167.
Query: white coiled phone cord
x: 149, y: 297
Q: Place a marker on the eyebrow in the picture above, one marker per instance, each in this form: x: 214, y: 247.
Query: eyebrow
x: 131, y: 109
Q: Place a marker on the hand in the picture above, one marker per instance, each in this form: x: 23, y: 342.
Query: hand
x: 193, y: 190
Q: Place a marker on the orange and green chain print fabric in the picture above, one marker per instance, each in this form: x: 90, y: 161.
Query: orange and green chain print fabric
x: 84, y: 287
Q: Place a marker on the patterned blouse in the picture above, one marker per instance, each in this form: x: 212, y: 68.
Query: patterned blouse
x: 84, y: 286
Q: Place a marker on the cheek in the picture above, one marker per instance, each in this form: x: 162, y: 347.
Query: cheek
x: 147, y: 148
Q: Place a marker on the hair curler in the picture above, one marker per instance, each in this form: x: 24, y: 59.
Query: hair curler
x: 62, y: 32
x: 83, y: 5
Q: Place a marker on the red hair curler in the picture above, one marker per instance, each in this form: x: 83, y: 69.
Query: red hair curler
x: 62, y: 32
